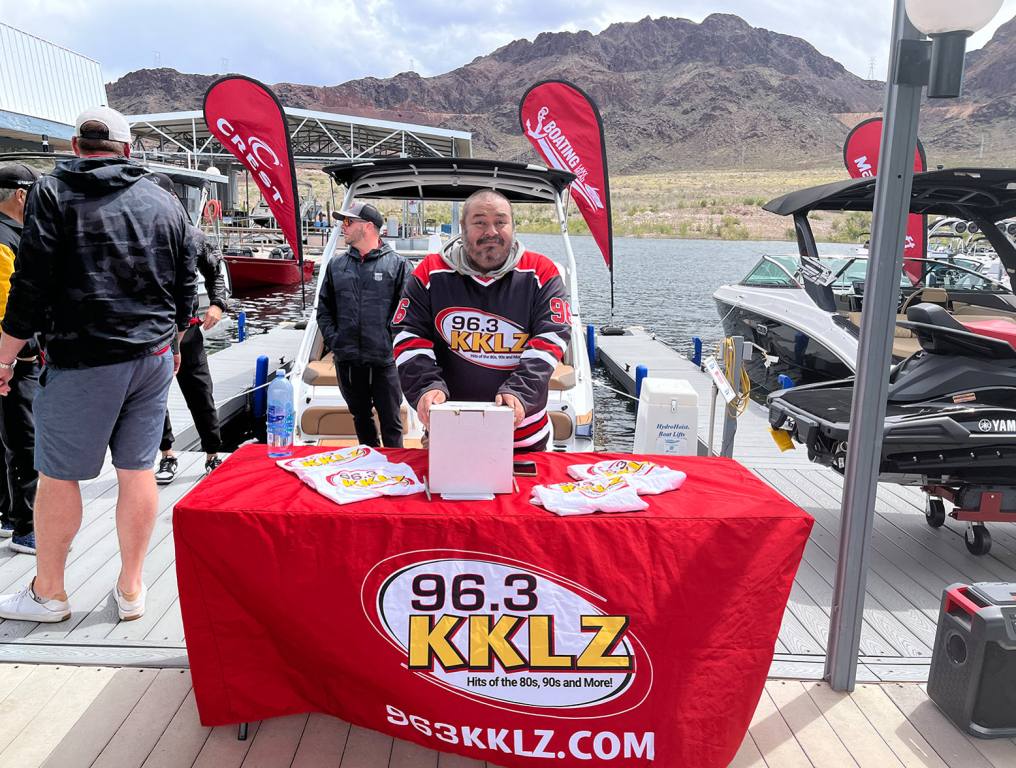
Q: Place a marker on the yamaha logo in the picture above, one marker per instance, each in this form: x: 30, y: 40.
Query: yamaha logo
x: 997, y: 425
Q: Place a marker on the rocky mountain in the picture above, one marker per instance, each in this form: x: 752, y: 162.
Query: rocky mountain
x: 674, y: 94
x: 978, y: 127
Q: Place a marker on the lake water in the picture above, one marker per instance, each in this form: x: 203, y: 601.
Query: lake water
x: 666, y: 286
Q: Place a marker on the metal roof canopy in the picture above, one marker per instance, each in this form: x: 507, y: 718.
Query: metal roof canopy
x: 317, y: 137
x: 189, y: 177
x: 450, y: 179
x: 988, y: 193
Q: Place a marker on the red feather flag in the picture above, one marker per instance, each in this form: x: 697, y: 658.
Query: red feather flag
x: 564, y: 126
x: 860, y: 155
x: 248, y: 120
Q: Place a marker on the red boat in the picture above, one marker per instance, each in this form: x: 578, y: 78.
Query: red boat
x: 248, y: 269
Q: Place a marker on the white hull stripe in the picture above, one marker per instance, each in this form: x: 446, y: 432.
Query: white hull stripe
x: 409, y: 354
x: 539, y: 354
x: 543, y: 434
x: 553, y: 338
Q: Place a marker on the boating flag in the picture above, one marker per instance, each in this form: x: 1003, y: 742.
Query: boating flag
x: 860, y: 154
x: 564, y: 126
x: 247, y: 119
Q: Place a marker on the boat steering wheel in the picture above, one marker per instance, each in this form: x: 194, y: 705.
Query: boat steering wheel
x: 912, y: 299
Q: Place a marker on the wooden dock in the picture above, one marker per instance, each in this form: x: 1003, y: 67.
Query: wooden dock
x: 232, y: 372
x: 95, y: 691
x: 621, y: 355
x: 78, y: 717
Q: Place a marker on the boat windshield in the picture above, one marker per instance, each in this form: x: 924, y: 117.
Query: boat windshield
x: 950, y: 273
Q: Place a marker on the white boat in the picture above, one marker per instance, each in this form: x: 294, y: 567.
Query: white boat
x: 804, y: 311
x: 322, y: 414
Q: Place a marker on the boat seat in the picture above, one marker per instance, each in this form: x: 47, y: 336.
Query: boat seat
x: 899, y: 333
x: 562, y: 378
x: 995, y: 327
x: 321, y: 373
x: 905, y: 347
x: 561, y: 424
x: 338, y: 421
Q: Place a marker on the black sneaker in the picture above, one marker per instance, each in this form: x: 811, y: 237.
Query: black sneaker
x: 167, y: 470
x: 212, y: 463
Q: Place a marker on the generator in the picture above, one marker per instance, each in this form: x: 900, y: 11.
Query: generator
x: 973, y: 665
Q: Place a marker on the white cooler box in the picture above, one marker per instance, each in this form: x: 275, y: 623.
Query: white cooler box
x: 667, y: 420
x: 470, y: 449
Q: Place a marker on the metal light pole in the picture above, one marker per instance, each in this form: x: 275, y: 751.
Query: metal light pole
x: 912, y: 64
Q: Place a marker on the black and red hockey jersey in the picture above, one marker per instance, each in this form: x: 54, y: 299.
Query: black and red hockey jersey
x: 474, y: 338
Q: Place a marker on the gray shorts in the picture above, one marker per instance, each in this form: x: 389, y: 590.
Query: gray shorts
x: 79, y: 412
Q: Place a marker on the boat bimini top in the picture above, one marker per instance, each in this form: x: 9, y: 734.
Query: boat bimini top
x: 983, y: 196
x: 449, y: 179
x: 453, y: 179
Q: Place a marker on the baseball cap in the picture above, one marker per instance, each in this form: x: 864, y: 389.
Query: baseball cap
x: 17, y: 176
x: 364, y: 211
x: 117, y: 128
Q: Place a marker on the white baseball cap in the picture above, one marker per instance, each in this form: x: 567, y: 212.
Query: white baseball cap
x: 116, y: 125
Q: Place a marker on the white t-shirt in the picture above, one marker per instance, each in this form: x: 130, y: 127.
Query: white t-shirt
x: 354, y: 474
x: 607, y: 494
x: 646, y: 477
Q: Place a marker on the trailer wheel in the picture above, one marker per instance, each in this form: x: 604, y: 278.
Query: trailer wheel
x: 934, y: 512
x: 978, y: 540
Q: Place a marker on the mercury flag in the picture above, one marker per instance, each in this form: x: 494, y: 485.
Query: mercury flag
x: 247, y: 119
x: 860, y: 155
x: 564, y: 126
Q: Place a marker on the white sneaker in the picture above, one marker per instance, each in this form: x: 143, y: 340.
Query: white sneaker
x: 129, y: 610
x: 26, y: 606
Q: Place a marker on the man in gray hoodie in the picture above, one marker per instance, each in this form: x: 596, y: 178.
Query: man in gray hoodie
x: 106, y: 275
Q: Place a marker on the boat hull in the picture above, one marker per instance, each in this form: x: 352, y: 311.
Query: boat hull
x: 801, y: 356
x: 254, y: 272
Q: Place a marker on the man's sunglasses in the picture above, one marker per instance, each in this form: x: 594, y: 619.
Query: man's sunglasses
x: 346, y: 220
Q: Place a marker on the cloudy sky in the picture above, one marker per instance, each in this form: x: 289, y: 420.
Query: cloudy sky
x: 325, y: 43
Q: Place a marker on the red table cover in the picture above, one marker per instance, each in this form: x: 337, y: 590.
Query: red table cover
x: 496, y: 629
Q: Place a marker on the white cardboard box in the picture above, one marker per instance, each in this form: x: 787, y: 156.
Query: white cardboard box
x: 471, y: 449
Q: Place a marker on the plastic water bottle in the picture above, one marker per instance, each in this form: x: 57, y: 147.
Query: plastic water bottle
x: 281, y: 416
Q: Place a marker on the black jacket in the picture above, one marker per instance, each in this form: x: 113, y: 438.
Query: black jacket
x: 210, y: 271
x: 359, y: 296
x: 106, y: 267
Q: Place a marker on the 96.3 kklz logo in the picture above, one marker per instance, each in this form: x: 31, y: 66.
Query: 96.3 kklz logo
x: 515, y: 638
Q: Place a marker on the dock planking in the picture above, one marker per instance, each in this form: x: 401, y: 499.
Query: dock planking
x: 92, y: 717
x: 621, y: 356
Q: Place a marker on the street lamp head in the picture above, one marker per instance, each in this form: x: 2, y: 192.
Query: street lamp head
x: 949, y: 23
x: 940, y: 17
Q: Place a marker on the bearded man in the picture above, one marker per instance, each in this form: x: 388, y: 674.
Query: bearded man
x: 484, y: 320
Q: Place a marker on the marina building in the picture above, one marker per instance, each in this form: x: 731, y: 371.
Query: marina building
x: 43, y: 87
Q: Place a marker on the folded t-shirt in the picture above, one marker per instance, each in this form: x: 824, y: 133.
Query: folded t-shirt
x: 354, y: 474
x: 606, y: 494
x: 647, y: 477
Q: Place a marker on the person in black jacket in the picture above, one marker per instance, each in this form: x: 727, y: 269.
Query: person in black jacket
x: 194, y: 378
x: 359, y: 296
x: 106, y: 274
x: 18, y: 477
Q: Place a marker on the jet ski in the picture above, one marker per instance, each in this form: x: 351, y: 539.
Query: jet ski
x: 950, y: 424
